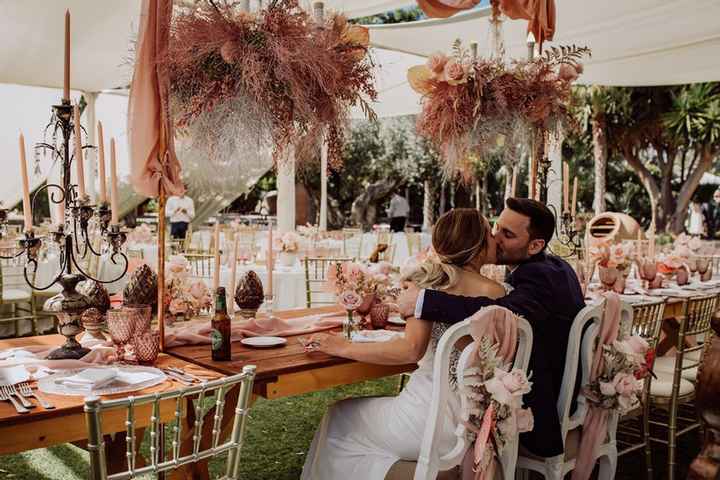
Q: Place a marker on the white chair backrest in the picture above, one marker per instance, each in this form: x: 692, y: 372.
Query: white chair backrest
x: 95, y: 408
x: 431, y: 460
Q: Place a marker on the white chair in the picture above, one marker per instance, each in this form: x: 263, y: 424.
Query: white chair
x: 431, y: 461
x: 580, y: 347
x: 95, y: 409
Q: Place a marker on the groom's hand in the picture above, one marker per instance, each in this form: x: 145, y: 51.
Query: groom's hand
x: 408, y: 299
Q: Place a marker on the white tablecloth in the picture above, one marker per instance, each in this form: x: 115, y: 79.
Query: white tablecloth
x: 399, y: 239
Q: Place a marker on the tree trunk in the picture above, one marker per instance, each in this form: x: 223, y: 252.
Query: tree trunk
x: 509, y: 169
x: 646, y: 179
x: 428, y: 206
x: 677, y: 221
x: 599, y: 134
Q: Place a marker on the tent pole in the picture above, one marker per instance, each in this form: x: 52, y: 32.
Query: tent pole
x: 161, y: 266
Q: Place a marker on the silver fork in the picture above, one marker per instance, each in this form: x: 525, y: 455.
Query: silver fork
x: 26, y: 391
x: 7, y: 396
x: 25, y: 403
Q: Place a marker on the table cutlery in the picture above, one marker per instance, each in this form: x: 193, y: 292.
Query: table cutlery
x: 26, y: 391
x: 6, y: 396
x: 25, y: 403
x: 189, y: 376
x: 178, y: 378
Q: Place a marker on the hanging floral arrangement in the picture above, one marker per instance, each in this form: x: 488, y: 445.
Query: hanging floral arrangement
x: 277, y: 74
x: 471, y: 105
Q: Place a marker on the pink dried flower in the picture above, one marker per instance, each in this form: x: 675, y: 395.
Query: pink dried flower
x: 436, y: 62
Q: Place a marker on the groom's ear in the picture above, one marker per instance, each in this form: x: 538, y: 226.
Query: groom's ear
x: 536, y: 246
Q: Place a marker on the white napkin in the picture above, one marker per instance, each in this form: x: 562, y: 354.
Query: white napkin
x: 13, y: 375
x: 15, y: 353
x: 90, y: 378
x: 133, y: 378
x: 369, y: 336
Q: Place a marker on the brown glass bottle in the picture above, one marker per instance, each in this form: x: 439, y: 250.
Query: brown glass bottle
x: 220, y: 334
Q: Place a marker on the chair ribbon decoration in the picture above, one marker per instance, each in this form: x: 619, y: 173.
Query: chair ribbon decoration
x: 493, y: 392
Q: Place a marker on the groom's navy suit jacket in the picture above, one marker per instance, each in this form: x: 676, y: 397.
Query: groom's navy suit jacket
x: 546, y: 292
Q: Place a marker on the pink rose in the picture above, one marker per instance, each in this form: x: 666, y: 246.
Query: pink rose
x: 178, y: 306
x: 507, y: 388
x: 626, y: 384
x: 607, y: 389
x: 198, y: 290
x: 567, y: 73
x: 455, y: 73
x: 353, y: 271
x: 525, y: 420
x: 436, y: 62
x: 637, y: 344
x: 382, y: 268
x: 350, y: 300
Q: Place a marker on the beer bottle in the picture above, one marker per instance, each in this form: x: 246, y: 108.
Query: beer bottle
x: 220, y: 334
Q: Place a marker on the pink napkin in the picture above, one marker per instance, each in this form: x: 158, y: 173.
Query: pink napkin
x: 198, y: 332
x: 594, y: 428
x: 101, y: 352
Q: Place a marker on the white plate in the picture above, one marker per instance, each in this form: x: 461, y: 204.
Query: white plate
x: 49, y: 385
x: 396, y: 320
x: 263, y: 342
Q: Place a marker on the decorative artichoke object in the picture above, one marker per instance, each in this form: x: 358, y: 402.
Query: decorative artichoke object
x: 142, y: 287
x: 249, y: 292
x: 97, y: 295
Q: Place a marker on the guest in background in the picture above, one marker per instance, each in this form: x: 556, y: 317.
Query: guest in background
x: 398, y: 212
x: 696, y: 219
x: 180, y: 210
x: 711, y: 211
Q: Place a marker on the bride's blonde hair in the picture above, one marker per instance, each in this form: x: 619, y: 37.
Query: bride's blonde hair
x: 458, y: 237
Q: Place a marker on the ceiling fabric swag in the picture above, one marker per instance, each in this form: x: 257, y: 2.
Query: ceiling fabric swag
x: 151, y: 147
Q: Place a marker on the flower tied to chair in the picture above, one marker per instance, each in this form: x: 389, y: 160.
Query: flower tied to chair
x: 493, y: 393
x: 617, y: 366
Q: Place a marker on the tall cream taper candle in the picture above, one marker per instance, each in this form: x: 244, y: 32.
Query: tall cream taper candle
x: 78, y: 153
x: 101, y: 163
x: 233, y: 274
x: 27, y: 212
x: 216, y: 270
x: 66, y: 73
x: 113, y: 185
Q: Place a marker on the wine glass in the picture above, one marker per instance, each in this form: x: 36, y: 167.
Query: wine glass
x: 121, y: 327
x: 647, y: 269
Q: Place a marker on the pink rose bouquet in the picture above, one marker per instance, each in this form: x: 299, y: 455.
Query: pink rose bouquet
x: 185, y: 296
x: 289, y: 242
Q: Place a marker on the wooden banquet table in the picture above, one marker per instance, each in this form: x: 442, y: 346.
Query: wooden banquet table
x: 289, y: 370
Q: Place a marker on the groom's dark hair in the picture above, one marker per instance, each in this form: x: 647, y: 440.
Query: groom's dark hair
x: 542, y: 220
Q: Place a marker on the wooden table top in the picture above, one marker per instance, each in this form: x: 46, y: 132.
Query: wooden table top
x: 71, y: 405
x: 270, y: 362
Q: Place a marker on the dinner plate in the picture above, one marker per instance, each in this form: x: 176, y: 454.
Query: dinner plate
x: 263, y: 342
x: 395, y: 320
x: 153, y: 376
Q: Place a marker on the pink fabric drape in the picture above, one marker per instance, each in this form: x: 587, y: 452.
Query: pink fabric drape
x: 152, y: 154
x: 596, y: 419
x: 500, y: 324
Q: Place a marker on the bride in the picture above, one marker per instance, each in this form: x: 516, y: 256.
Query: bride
x: 362, y: 438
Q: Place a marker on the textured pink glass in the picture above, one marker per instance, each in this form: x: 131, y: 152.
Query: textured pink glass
x: 147, y: 346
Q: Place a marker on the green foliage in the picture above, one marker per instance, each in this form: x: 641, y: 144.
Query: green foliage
x: 695, y: 114
x: 400, y: 15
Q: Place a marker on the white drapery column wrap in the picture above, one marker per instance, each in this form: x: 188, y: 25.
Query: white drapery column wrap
x: 286, y: 194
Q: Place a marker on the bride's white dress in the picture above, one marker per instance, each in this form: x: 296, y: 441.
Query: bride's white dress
x: 361, y: 438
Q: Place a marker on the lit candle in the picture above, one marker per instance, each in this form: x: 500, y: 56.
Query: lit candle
x: 27, y: 212
x: 566, y: 186
x: 113, y: 185
x: 216, y: 272
x: 66, y: 79
x: 573, y: 206
x: 233, y: 273
x: 269, y: 291
x: 78, y: 153
x: 101, y: 163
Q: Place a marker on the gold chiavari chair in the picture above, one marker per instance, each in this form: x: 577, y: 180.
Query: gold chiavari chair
x: 315, y: 277
x: 159, y: 406
x: 634, y: 428
x: 247, y: 240
x: 16, y: 294
x: 388, y: 255
x: 201, y: 264
x: 187, y: 241
x: 671, y: 394
x: 414, y: 242
x: 352, y: 242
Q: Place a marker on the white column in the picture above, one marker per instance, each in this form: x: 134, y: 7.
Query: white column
x: 554, y: 152
x: 323, y: 185
x: 286, y: 193
x: 91, y: 167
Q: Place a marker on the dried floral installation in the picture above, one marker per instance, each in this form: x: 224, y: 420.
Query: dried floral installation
x: 472, y: 106
x: 277, y: 72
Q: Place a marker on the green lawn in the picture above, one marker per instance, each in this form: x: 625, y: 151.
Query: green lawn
x: 278, y: 435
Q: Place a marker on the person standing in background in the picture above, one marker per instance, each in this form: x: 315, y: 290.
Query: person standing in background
x: 398, y: 212
x: 711, y: 212
x: 696, y: 219
x: 180, y: 210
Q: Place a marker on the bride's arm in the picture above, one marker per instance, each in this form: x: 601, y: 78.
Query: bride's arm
x: 399, y: 351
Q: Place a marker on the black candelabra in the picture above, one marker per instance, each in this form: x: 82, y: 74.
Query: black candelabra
x: 72, y: 237
x: 567, y: 233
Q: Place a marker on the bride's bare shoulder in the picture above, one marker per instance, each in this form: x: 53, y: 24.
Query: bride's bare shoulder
x: 484, y: 288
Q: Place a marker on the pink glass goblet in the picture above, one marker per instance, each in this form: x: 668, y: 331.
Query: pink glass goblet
x: 608, y: 276
x: 147, y: 347
x: 141, y: 316
x: 121, y: 328
x: 647, y: 269
x: 703, y: 265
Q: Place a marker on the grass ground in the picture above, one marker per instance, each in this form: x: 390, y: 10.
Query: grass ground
x: 279, y: 433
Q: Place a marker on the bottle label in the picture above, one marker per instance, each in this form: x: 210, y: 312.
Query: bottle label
x: 216, y: 339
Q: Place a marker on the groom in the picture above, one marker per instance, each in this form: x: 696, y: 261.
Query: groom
x: 546, y: 293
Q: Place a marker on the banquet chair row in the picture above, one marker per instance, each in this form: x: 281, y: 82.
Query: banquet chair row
x: 316, y: 294
x: 432, y: 463
x: 207, y: 439
x: 352, y: 242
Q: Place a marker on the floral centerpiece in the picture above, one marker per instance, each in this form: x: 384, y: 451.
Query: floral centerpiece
x: 495, y: 393
x: 185, y: 297
x: 619, y: 386
x: 266, y: 78
x: 288, y: 245
x: 141, y: 234
x: 362, y: 289
x: 473, y: 105
x: 614, y: 261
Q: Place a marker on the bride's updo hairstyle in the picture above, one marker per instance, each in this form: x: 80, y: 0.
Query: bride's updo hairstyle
x: 458, y: 237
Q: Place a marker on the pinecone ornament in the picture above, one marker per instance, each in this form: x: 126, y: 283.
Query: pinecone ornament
x: 142, y: 287
x: 97, y: 295
x: 249, y: 292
